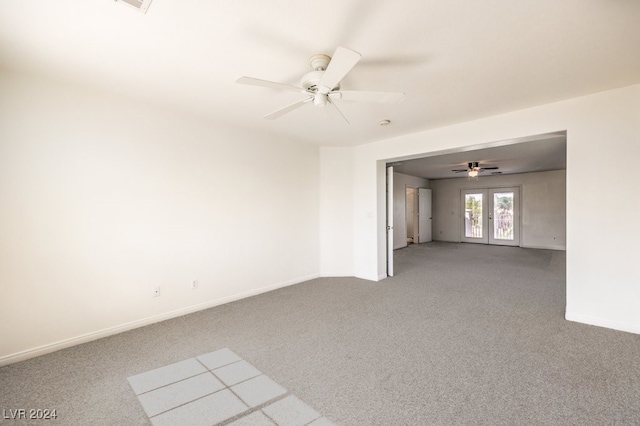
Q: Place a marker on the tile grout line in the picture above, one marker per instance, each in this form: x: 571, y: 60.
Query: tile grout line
x: 245, y: 380
x: 317, y: 418
x: 208, y: 371
x: 252, y: 410
x: 268, y: 416
x: 243, y: 414
x: 189, y: 402
x: 220, y: 366
x: 172, y: 383
x: 238, y: 416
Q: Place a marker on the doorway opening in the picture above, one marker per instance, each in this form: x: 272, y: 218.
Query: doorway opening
x: 524, y: 198
x: 411, y: 215
x: 418, y: 215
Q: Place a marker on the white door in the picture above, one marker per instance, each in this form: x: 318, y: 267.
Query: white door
x: 491, y: 216
x: 474, y: 216
x: 504, y: 216
x: 424, y: 215
x: 390, y: 221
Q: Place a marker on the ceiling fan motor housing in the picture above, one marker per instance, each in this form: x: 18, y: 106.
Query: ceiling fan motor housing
x: 310, y: 80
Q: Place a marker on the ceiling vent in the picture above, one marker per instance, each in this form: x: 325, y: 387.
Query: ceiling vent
x: 141, y: 5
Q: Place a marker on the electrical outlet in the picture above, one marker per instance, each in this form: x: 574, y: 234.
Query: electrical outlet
x: 156, y: 291
x: 194, y: 284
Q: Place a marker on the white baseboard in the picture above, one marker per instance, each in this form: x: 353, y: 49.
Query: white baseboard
x: 615, y: 325
x: 52, y: 347
x: 550, y: 247
x: 372, y: 277
x: 336, y: 274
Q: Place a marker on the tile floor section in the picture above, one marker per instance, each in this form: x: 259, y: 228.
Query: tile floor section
x: 219, y: 388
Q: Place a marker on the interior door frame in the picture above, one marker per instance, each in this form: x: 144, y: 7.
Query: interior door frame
x: 390, y: 221
x: 414, y: 214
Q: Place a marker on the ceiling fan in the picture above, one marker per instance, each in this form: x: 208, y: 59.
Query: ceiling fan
x: 474, y: 169
x: 322, y: 85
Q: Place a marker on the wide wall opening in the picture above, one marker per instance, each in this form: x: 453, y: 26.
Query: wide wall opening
x: 511, y: 194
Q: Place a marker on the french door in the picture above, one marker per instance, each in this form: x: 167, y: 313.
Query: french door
x: 491, y: 216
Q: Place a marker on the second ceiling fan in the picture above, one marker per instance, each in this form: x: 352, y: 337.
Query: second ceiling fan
x: 474, y: 169
x: 322, y: 85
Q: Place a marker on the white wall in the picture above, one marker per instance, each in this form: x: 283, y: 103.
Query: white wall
x: 104, y: 198
x: 336, y: 212
x: 543, y: 206
x: 400, y: 183
x: 603, y: 147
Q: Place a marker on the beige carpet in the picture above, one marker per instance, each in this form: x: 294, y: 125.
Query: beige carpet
x: 464, y: 334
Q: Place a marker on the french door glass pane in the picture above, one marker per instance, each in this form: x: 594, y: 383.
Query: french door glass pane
x: 503, y: 215
x: 473, y: 215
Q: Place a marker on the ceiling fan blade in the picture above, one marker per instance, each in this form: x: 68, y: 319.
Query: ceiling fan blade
x: 271, y: 84
x: 288, y: 108
x: 367, y: 96
x: 341, y: 63
x: 459, y: 170
x: 489, y: 168
x: 334, y: 110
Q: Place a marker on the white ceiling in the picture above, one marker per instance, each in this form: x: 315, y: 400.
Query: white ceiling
x: 455, y: 60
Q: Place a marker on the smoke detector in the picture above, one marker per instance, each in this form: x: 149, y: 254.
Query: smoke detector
x: 140, y: 5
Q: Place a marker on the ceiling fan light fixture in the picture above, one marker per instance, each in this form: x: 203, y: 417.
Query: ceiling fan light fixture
x: 473, y: 173
x: 320, y: 99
